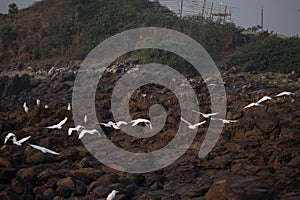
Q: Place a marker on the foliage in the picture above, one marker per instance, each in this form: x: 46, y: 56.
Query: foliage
x: 7, y: 34
x: 269, y: 53
x: 13, y: 8
x: 68, y: 30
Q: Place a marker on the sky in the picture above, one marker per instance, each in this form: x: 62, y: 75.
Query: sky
x: 280, y: 16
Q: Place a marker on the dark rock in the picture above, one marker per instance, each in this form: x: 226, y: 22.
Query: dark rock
x: 100, y: 191
x: 20, y: 185
x: 28, y: 174
x: 8, y: 195
x: 6, y: 174
x: 267, y: 123
x: 87, y: 175
x: 64, y: 191
x: 49, y: 193
x: 295, y: 162
x: 52, y: 181
x: 80, y: 188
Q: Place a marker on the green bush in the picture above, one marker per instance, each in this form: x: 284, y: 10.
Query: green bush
x: 7, y: 34
x: 269, y: 53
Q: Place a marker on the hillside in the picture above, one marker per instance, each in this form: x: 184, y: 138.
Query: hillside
x: 60, y: 32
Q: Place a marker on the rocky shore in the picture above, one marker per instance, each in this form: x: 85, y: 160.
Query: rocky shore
x: 256, y: 158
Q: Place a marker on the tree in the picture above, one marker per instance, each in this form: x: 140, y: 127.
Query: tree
x: 13, y: 8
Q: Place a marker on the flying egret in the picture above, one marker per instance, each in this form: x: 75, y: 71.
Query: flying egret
x: 38, y: 102
x: 285, y: 93
x: 69, y: 106
x: 83, y: 132
x: 251, y: 105
x: 206, y: 115
x: 77, y: 128
x: 192, y: 126
x: 25, y: 107
x: 43, y: 149
x: 258, y: 103
x: 114, y: 125
x: 225, y: 121
x: 112, y: 195
x: 265, y: 98
x: 59, y: 125
x: 14, y: 139
x: 141, y: 120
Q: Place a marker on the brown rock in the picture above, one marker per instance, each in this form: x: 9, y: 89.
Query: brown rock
x: 80, y: 188
x: 290, y: 132
x: 87, y: 175
x: 66, y: 182
x: 49, y: 193
x: 28, y: 174
x: 295, y: 162
x: 5, y: 162
x: 220, y: 191
x: 6, y: 174
x: 8, y: 195
x: 267, y: 123
x: 101, y: 191
x: 37, y: 158
x: 20, y: 185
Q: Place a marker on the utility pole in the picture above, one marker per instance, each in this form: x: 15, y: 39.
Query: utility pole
x: 262, y: 18
x: 211, y: 9
x: 181, y: 9
x: 225, y: 14
x: 203, y: 9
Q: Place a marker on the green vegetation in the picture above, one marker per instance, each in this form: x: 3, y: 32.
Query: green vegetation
x: 269, y: 53
x: 13, y: 8
x: 59, y: 31
x: 7, y: 34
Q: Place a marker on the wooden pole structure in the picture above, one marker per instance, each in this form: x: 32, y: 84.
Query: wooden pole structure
x: 181, y: 9
x: 211, y: 9
x: 225, y: 13
x: 262, y: 18
x: 203, y: 9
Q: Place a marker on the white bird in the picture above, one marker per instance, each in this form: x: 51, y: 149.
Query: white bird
x: 46, y: 106
x: 77, y: 128
x: 85, y: 119
x: 83, y: 132
x: 114, y: 125
x: 119, y: 123
x: 19, y: 142
x: 225, y: 121
x: 25, y: 107
x: 265, y: 98
x: 108, y: 124
x: 112, y: 195
x: 206, y: 115
x: 59, y: 125
x: 192, y: 126
x: 285, y: 93
x: 43, y: 149
x: 69, y: 106
x: 258, y: 103
x: 38, y: 102
x: 140, y: 120
x: 251, y: 105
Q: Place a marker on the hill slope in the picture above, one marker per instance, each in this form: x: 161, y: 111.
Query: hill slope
x: 57, y: 32
x: 67, y: 30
